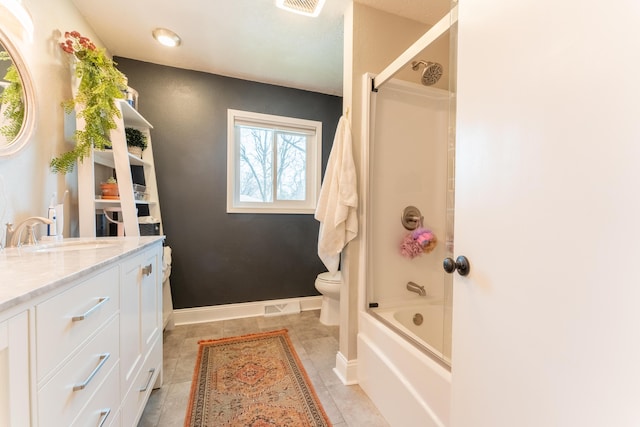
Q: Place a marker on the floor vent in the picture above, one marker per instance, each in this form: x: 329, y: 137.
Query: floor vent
x: 280, y: 309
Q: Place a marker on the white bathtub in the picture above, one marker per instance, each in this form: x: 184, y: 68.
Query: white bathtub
x: 432, y: 335
x: 409, y: 387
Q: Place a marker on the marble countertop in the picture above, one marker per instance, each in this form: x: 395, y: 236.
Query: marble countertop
x: 28, y: 272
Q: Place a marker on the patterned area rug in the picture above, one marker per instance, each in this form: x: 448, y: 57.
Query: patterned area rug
x: 252, y: 381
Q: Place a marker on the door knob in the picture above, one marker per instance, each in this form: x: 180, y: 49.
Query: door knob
x: 461, y: 264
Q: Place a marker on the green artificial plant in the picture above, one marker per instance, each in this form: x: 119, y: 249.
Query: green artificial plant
x: 11, y: 100
x: 135, y: 138
x: 100, y: 84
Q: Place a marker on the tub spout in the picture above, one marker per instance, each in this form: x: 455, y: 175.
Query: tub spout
x: 414, y: 287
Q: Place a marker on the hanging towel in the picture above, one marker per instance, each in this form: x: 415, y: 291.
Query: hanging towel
x: 338, y: 202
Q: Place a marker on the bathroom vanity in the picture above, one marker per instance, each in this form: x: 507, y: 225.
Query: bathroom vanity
x: 80, y: 331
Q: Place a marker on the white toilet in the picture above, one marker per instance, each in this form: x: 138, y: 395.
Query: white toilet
x: 329, y: 286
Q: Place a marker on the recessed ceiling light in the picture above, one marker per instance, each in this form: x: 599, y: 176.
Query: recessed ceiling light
x: 166, y: 37
x: 303, y: 7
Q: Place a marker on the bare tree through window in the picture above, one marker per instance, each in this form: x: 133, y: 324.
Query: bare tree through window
x: 273, y: 163
x: 260, y: 149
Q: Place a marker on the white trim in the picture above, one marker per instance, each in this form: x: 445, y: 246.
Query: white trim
x: 186, y: 316
x: 346, y: 370
x: 368, y: 108
x: 313, y: 131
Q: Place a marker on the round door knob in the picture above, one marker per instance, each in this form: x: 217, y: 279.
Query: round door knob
x: 461, y: 264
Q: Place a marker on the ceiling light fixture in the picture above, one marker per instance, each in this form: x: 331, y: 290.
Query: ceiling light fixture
x: 166, y: 37
x: 303, y: 7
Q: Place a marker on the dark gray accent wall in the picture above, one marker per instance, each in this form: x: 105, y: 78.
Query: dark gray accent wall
x: 221, y: 258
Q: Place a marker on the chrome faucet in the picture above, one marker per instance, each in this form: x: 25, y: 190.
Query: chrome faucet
x: 13, y: 237
x: 414, y: 287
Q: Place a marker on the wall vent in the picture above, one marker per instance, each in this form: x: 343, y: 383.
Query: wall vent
x: 280, y: 309
x: 303, y: 7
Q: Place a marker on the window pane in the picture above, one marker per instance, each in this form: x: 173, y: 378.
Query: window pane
x: 292, y: 166
x: 256, y: 160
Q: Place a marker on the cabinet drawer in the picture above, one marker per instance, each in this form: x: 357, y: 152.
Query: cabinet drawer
x: 65, y: 394
x: 102, y: 409
x: 68, y: 319
x: 134, y: 402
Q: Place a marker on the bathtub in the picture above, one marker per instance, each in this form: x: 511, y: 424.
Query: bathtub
x: 422, y: 325
x: 406, y: 379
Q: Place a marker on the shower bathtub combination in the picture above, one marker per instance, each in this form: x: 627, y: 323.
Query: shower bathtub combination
x: 404, y: 324
x: 404, y: 335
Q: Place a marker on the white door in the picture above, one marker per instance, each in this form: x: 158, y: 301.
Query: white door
x: 546, y: 328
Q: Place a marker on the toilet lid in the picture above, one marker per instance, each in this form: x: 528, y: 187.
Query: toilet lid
x: 332, y: 278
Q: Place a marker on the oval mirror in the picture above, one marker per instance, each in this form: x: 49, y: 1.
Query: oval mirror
x: 17, y: 100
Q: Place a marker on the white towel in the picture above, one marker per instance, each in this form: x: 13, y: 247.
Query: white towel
x: 166, y: 263
x: 338, y: 202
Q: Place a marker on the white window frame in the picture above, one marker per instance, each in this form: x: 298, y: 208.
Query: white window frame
x: 313, y: 164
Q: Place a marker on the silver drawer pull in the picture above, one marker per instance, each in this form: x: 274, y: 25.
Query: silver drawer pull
x: 147, y: 270
x: 151, y: 371
x: 91, y: 310
x: 104, y: 414
x: 85, y: 383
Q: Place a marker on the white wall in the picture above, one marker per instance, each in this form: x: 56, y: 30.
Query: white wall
x: 547, y: 325
x: 28, y: 183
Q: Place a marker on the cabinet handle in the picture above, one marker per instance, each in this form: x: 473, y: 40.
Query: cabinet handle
x: 85, y: 383
x: 104, y: 414
x: 147, y: 270
x: 146, y: 386
x: 91, y: 310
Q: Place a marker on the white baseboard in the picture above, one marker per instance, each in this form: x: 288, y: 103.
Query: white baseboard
x: 185, y: 316
x: 346, y: 370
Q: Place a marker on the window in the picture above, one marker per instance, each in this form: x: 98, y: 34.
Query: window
x: 273, y: 163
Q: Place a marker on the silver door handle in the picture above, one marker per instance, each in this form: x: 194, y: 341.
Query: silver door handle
x: 151, y: 371
x: 85, y: 383
x: 91, y: 310
x: 104, y: 414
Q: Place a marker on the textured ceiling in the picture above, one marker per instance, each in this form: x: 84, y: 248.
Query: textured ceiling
x: 247, y: 39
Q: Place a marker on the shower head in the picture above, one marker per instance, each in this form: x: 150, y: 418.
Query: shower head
x: 431, y: 73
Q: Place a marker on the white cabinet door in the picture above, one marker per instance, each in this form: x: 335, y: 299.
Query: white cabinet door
x: 131, y: 356
x: 546, y: 326
x: 140, y: 329
x: 150, y: 299
x: 14, y: 371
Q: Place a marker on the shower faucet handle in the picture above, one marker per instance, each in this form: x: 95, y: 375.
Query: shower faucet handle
x: 461, y: 264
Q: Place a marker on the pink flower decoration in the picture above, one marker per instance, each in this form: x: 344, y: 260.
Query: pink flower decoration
x: 410, y: 248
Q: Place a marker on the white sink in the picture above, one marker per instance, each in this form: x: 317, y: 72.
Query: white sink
x: 73, y: 245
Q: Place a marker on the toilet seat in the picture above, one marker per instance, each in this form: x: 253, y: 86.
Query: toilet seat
x: 330, y: 278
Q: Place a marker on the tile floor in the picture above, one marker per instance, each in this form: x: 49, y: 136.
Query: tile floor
x: 316, y: 345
